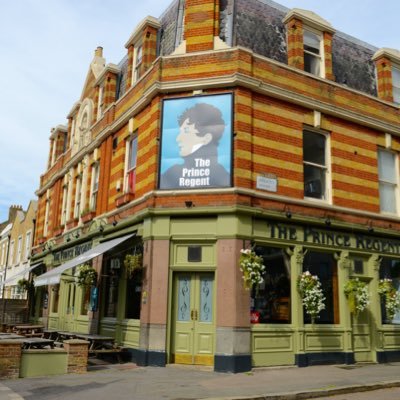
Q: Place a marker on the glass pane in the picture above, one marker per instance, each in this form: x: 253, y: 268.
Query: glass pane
x: 314, y: 148
x: 271, y: 302
x: 387, y: 197
x: 312, y: 64
x: 311, y: 42
x: 386, y: 166
x: 184, y: 298
x: 323, y: 265
x: 132, y: 153
x: 314, y: 182
x: 206, y: 286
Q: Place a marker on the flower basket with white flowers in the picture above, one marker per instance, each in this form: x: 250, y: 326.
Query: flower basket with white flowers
x: 309, y: 287
x: 252, y: 268
x: 357, y: 295
x: 390, y: 296
x: 86, y: 276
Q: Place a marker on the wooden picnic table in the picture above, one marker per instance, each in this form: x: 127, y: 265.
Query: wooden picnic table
x: 96, y: 342
x: 29, y: 330
x: 37, y: 343
x: 7, y: 336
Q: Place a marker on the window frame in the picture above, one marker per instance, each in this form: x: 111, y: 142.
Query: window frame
x: 19, y: 250
x: 11, y: 254
x: 320, y: 56
x: 94, y: 186
x: 77, y: 204
x: 396, y: 99
x: 28, y: 238
x: 394, y: 184
x: 137, y: 61
x: 326, y: 196
x: 128, y: 167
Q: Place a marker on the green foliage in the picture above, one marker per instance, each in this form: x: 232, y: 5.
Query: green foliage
x: 390, y: 296
x: 133, y: 262
x: 86, y: 276
x: 309, y: 287
x: 24, y: 284
x: 252, y: 268
x: 357, y: 295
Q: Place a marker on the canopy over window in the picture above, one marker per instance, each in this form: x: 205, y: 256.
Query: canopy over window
x: 53, y: 276
x: 13, y: 280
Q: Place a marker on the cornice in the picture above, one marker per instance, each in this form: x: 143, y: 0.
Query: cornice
x: 135, y: 36
x: 113, y: 68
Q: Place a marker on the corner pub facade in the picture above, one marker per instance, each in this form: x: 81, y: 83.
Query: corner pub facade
x: 229, y: 125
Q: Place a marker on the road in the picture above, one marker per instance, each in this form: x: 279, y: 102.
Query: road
x: 383, y: 394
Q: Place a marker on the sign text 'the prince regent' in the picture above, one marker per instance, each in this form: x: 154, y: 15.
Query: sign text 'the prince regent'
x: 322, y: 237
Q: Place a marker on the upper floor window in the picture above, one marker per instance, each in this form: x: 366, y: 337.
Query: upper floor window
x: 77, y: 208
x: 28, y: 245
x: 313, y: 53
x: 94, y: 187
x: 396, y: 84
x: 46, y: 217
x: 3, y: 254
x: 137, y: 62
x: 315, y: 165
x: 11, y: 254
x: 19, y: 250
x: 388, y: 181
x: 130, y: 176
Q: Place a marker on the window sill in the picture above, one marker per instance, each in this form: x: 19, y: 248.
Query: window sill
x: 123, y: 199
x: 88, y: 216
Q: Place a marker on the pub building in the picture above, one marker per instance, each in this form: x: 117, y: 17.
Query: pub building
x: 265, y: 130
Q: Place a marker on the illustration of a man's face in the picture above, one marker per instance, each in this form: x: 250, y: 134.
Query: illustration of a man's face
x: 188, y: 139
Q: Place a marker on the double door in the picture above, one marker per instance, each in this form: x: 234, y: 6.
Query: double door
x: 193, y: 319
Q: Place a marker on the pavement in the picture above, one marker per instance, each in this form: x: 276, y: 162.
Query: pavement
x: 128, y: 381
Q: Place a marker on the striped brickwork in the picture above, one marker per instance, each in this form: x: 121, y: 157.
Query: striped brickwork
x: 327, y: 37
x: 149, y: 48
x: 295, y: 49
x: 110, y: 86
x: 200, y: 24
x: 384, y: 81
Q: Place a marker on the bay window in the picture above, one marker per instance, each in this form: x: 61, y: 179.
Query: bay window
x: 388, y: 181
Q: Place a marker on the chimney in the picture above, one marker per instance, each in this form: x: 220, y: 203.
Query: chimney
x: 98, y: 52
x: 12, y: 212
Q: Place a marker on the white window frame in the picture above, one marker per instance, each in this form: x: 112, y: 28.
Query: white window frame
x: 320, y: 56
x: 11, y: 254
x: 72, y: 141
x: 28, y: 239
x: 3, y: 254
x: 77, y: 205
x: 53, y: 152
x: 137, y: 61
x: 394, y: 184
x: 46, y: 216
x: 19, y: 250
x: 326, y: 196
x: 396, y: 83
x: 94, y: 187
x: 64, y: 204
x: 101, y: 102
x: 129, y: 168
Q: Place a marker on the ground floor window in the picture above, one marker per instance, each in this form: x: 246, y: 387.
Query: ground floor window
x: 55, y: 297
x: 390, y: 269
x: 85, y: 300
x: 110, y: 289
x: 270, y: 302
x: 133, y: 295
x: 324, y: 266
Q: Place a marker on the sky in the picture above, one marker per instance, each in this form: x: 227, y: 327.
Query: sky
x: 46, y: 47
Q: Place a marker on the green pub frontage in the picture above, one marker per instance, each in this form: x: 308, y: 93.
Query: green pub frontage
x: 186, y: 302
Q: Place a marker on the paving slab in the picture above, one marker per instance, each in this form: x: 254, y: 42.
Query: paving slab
x: 128, y: 381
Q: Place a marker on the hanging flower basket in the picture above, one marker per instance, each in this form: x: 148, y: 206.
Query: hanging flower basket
x: 309, y: 287
x: 133, y: 262
x: 86, y: 276
x: 390, y: 296
x: 357, y: 295
x: 24, y: 284
x: 252, y: 268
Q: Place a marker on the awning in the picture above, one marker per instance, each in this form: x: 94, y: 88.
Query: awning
x: 13, y: 280
x: 53, y: 276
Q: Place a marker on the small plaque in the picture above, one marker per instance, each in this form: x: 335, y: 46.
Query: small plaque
x: 267, y: 182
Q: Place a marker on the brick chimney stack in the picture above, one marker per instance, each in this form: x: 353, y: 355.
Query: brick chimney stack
x: 12, y: 212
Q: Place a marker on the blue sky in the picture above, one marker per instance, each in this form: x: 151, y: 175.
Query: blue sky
x: 46, y: 47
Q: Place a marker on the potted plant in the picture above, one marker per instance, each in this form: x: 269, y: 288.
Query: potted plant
x: 252, y: 268
x: 357, y: 295
x: 309, y: 287
x: 86, y: 276
x: 390, y: 296
x: 133, y: 262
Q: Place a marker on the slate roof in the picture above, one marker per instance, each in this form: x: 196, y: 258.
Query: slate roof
x: 258, y: 26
